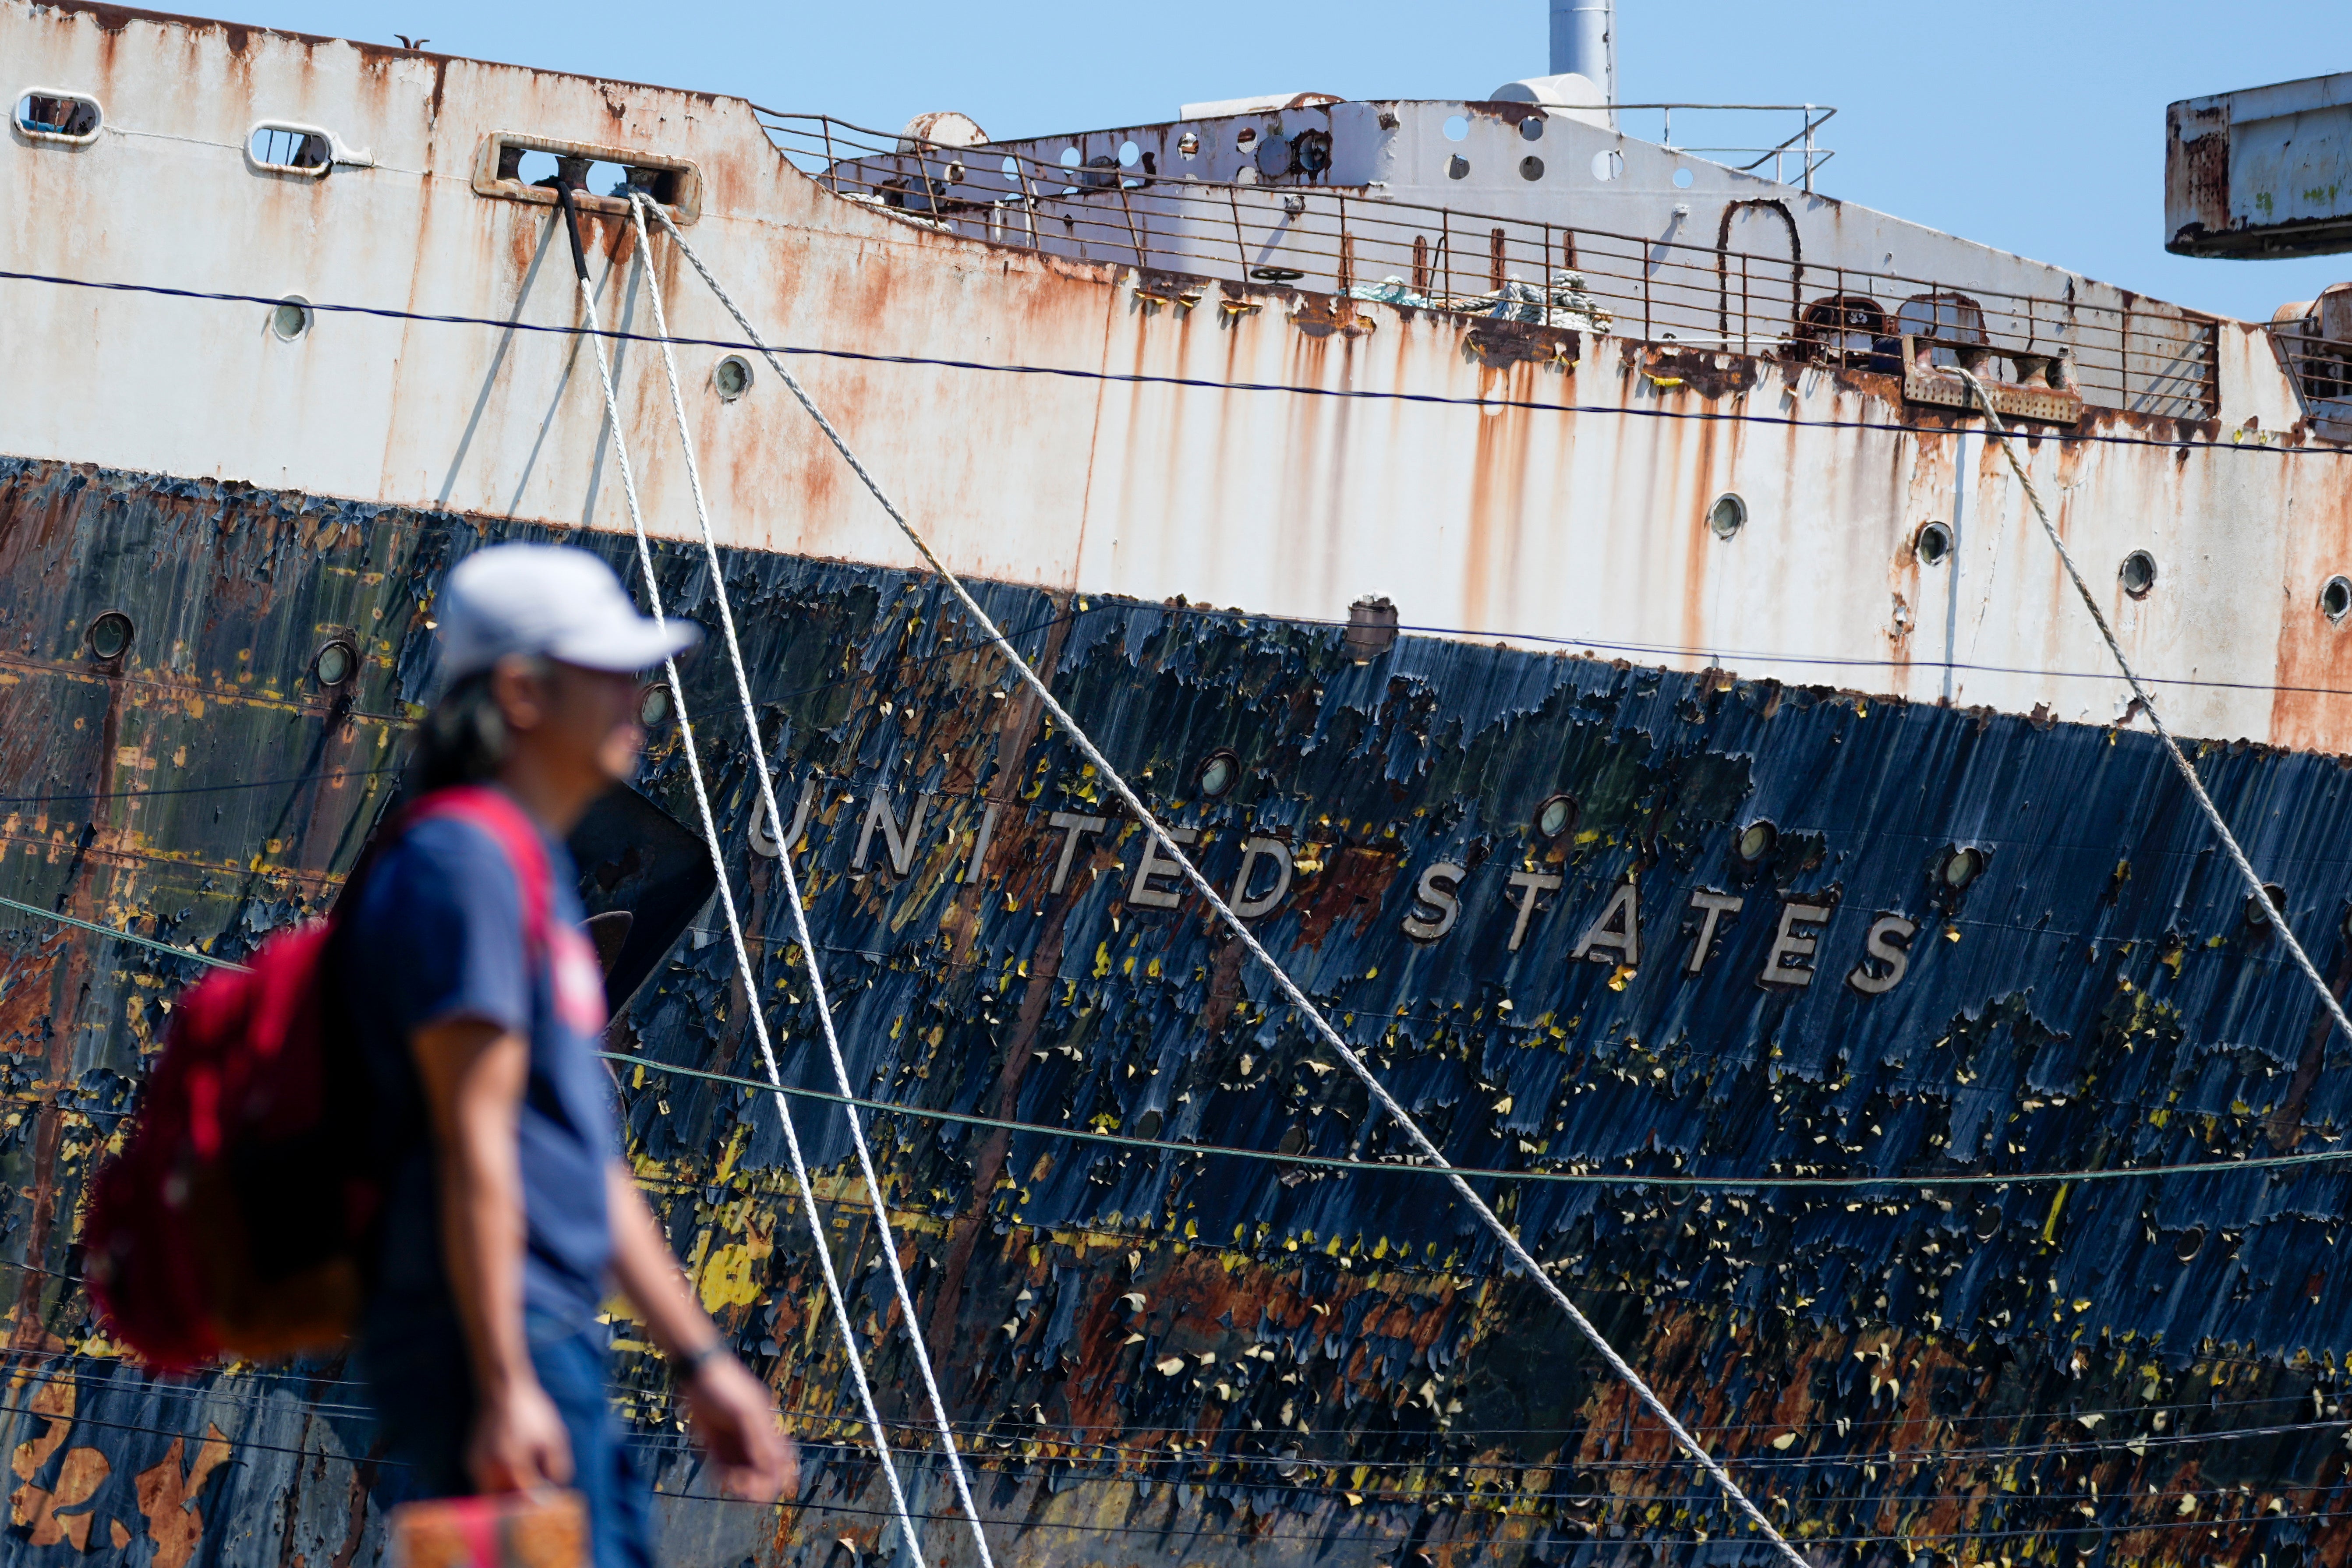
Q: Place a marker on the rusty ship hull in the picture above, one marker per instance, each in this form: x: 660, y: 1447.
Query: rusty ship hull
x: 1780, y: 890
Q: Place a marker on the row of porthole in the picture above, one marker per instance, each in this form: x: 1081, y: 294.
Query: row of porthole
x: 292, y: 316
x: 110, y: 634
x: 1932, y: 544
x: 74, y: 119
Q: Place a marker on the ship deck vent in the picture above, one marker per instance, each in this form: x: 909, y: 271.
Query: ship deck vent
x: 59, y: 114
x: 519, y: 167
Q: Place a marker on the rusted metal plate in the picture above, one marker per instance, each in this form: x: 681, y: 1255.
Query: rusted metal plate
x: 2262, y: 172
x: 1179, y: 1357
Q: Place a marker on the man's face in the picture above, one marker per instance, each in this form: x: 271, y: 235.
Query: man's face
x: 576, y: 719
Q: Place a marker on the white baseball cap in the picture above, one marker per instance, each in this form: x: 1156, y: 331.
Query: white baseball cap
x: 549, y: 599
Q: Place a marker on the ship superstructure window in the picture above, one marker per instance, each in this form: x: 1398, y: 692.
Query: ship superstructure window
x: 290, y: 150
x: 51, y: 114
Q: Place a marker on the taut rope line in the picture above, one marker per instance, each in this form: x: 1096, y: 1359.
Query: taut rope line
x: 726, y: 899
x: 2148, y: 703
x: 889, y: 1244
x: 1175, y: 855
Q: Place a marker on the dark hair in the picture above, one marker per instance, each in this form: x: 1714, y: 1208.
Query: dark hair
x: 462, y: 741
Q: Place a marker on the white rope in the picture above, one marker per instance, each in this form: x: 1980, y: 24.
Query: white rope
x: 726, y: 899
x: 1174, y: 854
x: 2147, y: 702
x: 913, y: 1324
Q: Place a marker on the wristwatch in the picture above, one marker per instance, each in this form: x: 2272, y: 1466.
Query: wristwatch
x: 686, y: 1365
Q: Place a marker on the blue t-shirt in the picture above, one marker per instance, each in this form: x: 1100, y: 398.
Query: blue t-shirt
x: 437, y: 934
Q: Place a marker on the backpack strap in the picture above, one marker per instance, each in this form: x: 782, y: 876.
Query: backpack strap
x: 495, y: 812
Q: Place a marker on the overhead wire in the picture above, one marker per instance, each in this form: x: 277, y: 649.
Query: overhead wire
x: 912, y: 1323
x: 875, y: 1431
x: 1192, y: 873
x: 1734, y: 416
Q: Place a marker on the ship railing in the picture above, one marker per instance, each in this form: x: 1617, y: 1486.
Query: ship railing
x: 2321, y: 370
x: 1354, y: 244
x: 1800, y: 152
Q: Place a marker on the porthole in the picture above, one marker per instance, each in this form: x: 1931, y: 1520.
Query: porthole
x: 1071, y: 157
x: 1557, y: 816
x: 1188, y: 145
x: 1457, y: 127
x: 290, y: 317
x: 1607, y: 166
x: 335, y: 663
x: 1932, y: 544
x: 1532, y: 128
x: 652, y: 705
x: 1683, y: 178
x: 2191, y: 1242
x: 1129, y: 153
x: 1727, y: 516
x: 731, y: 377
x: 1245, y: 138
x: 109, y: 636
x: 51, y: 114
x: 2137, y: 574
x: 1530, y: 168
x: 1961, y: 866
x: 1987, y: 1224
x: 1218, y: 773
x: 1757, y: 840
x: 2258, y: 911
x: 2336, y: 598
x: 1458, y: 167
x: 289, y: 150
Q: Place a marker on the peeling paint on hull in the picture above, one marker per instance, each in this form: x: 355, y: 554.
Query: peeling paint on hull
x: 1183, y: 1358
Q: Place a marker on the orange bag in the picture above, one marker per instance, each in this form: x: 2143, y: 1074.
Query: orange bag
x: 544, y: 1528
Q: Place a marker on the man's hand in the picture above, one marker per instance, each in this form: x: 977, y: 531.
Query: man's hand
x: 735, y: 1422
x: 518, y: 1442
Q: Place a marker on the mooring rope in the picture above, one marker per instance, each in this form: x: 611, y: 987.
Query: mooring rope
x: 1177, y: 858
x: 2148, y: 703
x: 726, y: 899
x: 818, y: 998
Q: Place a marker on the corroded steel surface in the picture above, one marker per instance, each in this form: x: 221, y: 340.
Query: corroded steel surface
x: 1562, y: 495
x: 1184, y: 1356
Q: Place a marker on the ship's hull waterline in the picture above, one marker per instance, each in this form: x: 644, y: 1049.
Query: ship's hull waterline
x: 1177, y: 1357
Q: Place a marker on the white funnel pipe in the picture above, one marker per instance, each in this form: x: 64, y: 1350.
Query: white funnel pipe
x: 1583, y: 43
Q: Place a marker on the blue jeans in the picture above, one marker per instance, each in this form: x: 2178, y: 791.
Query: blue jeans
x: 421, y: 1388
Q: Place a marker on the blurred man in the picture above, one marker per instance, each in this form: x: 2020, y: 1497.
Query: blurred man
x: 479, y: 1007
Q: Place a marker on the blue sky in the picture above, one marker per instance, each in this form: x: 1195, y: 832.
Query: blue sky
x: 2037, y: 127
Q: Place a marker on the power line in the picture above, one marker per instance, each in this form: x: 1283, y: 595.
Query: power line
x: 1737, y: 416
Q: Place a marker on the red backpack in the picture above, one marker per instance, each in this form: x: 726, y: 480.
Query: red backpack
x: 236, y: 1218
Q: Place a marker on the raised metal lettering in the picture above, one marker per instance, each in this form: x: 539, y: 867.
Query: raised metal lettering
x: 1878, y: 947
x: 1619, y: 925
x: 1142, y: 890
x: 1253, y: 850
x: 1713, y: 906
x: 1530, y: 884
x: 901, y: 847
x: 1436, y: 891
x: 1789, y: 962
x: 1073, y: 828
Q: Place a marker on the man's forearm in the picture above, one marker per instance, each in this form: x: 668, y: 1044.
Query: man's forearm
x: 648, y: 1274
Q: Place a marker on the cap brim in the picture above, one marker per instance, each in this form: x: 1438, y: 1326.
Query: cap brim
x: 639, y: 645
